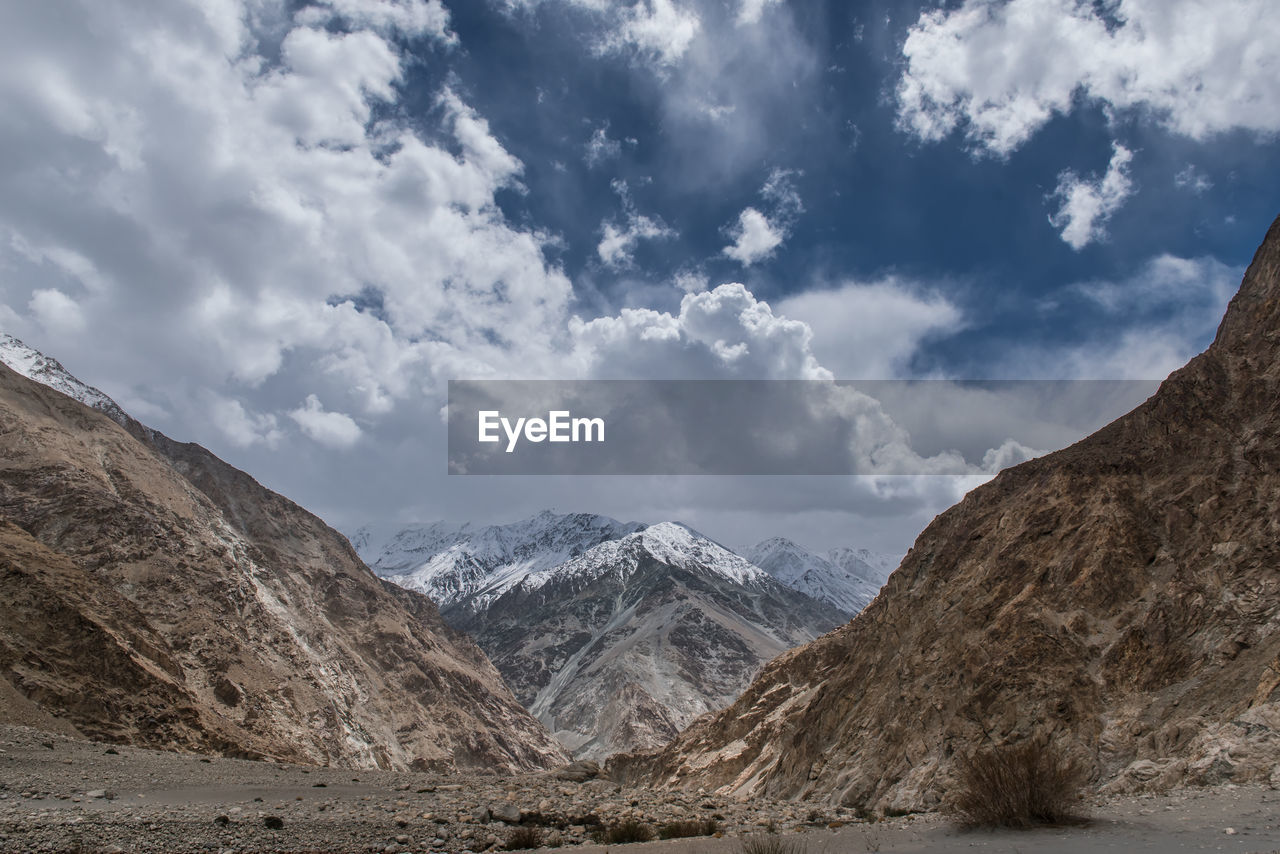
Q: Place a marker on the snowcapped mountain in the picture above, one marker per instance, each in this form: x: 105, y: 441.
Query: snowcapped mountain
x: 467, y: 566
x: 864, y: 563
x: 34, y: 365
x: 614, y: 634
x: 621, y: 647
x: 846, y: 578
x: 672, y: 543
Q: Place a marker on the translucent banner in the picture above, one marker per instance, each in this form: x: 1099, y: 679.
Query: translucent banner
x: 771, y: 427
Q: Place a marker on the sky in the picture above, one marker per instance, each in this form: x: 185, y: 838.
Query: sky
x: 279, y: 228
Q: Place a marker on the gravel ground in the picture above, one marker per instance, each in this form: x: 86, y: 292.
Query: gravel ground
x: 59, y: 793
x: 64, y: 794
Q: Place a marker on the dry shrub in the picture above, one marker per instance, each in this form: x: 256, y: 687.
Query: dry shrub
x: 624, y: 832
x: 523, y: 838
x: 690, y: 828
x: 771, y: 843
x: 1018, y: 785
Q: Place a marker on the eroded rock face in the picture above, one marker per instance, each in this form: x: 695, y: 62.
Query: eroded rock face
x: 152, y: 594
x: 1121, y: 595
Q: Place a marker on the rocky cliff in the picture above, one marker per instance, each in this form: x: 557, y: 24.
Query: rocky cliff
x: 150, y: 593
x: 1121, y: 596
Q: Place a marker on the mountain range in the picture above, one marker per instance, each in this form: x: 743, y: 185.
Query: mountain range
x: 614, y: 634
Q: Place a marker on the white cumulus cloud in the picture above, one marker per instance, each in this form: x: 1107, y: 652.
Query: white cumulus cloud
x: 1000, y: 69
x: 754, y: 238
x: 241, y: 427
x: 56, y: 311
x: 233, y: 192
x: 1087, y: 204
x: 758, y: 233
x: 658, y: 30
x: 332, y: 429
x: 870, y: 330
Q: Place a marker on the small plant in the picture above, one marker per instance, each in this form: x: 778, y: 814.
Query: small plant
x: 770, y: 843
x: 688, y: 829
x: 623, y: 833
x: 1018, y: 785
x: 522, y: 838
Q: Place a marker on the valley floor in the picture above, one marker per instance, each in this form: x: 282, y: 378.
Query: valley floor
x: 65, y: 794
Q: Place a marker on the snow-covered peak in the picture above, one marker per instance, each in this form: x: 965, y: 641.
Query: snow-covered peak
x: 34, y: 365
x: 454, y: 563
x: 670, y: 543
x: 864, y: 563
x: 785, y: 560
x: 844, y: 577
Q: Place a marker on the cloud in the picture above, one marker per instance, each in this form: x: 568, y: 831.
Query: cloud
x: 780, y: 191
x: 691, y: 281
x: 332, y: 429
x: 870, y: 330
x: 726, y: 333
x: 754, y: 238
x: 1000, y: 70
x: 241, y: 427
x: 618, y: 243
x: 726, y: 84
x: 1086, y: 205
x: 657, y: 33
x: 722, y: 333
x: 657, y: 30
x: 1144, y: 326
x: 409, y: 17
x: 750, y: 11
x: 601, y: 148
x: 213, y: 188
x: 57, y: 312
x: 1191, y: 178
x: 756, y: 235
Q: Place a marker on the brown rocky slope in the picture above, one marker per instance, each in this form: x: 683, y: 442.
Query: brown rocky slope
x: 1121, y: 596
x: 152, y: 594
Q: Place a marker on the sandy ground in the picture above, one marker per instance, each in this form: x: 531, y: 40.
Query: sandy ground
x: 59, y: 793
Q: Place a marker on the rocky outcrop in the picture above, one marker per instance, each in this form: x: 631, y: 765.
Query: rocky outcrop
x: 152, y: 594
x: 1121, y: 596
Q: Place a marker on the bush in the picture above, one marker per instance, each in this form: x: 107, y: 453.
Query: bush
x: 770, y: 843
x: 522, y: 838
x: 687, y: 829
x: 1018, y: 785
x: 620, y: 834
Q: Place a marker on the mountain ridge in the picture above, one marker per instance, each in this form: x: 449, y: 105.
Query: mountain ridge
x: 154, y: 594
x: 1118, y: 597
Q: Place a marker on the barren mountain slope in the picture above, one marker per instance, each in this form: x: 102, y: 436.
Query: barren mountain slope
x: 1122, y: 595
x: 151, y: 593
